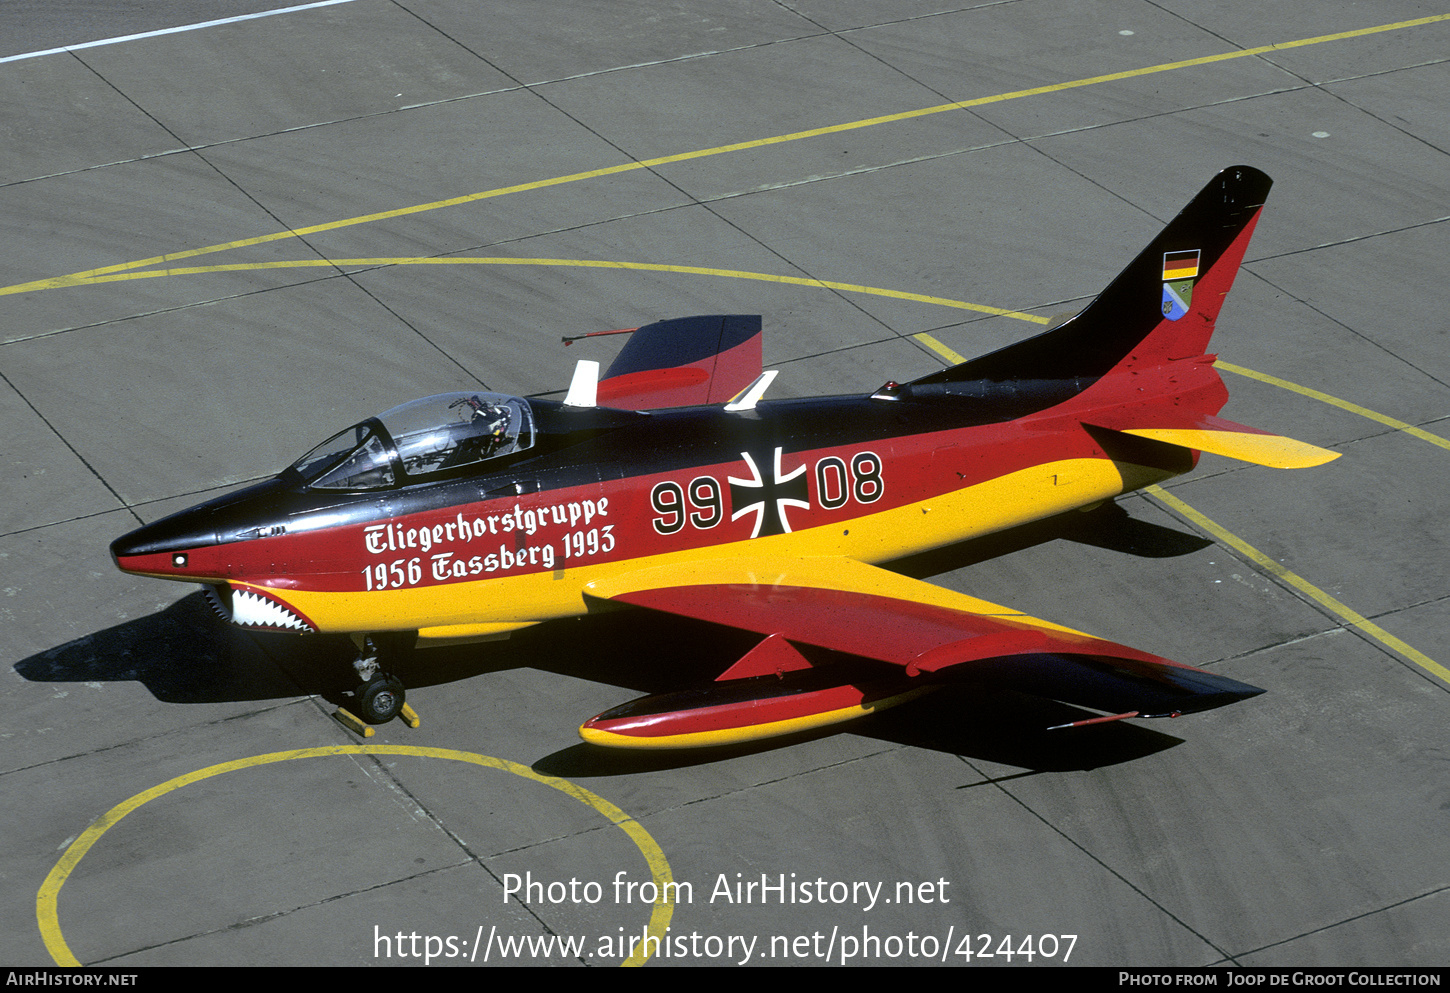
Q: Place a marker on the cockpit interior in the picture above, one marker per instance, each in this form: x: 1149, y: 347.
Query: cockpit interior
x: 420, y: 441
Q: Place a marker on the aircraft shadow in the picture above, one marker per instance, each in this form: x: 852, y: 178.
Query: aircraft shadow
x: 1107, y: 526
x: 182, y: 654
x: 186, y: 654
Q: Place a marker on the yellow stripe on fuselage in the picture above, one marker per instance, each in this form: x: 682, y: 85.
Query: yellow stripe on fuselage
x: 517, y: 601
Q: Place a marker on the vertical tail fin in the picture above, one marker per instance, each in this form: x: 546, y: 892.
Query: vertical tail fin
x: 1162, y: 306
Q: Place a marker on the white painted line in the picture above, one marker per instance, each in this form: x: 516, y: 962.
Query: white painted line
x: 176, y: 30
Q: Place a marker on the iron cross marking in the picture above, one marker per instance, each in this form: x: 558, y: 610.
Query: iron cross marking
x: 768, y: 498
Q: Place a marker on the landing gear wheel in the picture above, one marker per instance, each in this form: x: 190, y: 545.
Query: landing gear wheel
x: 380, y: 699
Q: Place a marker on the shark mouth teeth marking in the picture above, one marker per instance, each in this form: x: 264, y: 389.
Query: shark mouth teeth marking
x: 250, y: 609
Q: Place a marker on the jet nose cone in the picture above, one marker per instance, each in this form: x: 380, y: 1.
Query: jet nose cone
x: 211, y: 541
x: 164, y: 548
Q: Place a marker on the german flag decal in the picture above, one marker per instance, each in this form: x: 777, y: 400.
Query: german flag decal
x: 1180, y: 265
x: 1179, y: 271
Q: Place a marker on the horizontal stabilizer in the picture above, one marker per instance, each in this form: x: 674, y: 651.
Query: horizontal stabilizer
x: 1272, y: 450
x: 683, y: 362
x: 1207, y: 433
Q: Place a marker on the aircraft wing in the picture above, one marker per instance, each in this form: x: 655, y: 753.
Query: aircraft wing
x: 849, y: 606
x: 684, y: 362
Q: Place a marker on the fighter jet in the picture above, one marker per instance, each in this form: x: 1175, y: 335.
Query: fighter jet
x: 671, y: 484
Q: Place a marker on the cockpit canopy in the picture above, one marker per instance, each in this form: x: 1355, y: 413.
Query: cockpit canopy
x: 428, y: 438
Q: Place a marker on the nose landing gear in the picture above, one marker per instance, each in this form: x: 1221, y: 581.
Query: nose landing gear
x: 379, y: 697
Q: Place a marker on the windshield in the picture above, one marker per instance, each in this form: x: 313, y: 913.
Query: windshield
x: 331, y: 451
x: 433, y: 435
x: 355, y: 459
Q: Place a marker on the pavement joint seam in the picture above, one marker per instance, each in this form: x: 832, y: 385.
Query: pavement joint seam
x: 1350, y: 919
x: 1120, y: 877
x: 1349, y: 241
x: 797, y: 774
x: 432, y: 818
x: 69, y: 447
x: 275, y: 915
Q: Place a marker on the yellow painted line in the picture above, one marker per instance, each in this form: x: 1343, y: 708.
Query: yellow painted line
x: 46, y: 899
x: 1353, y: 408
x: 77, y: 278
x: 1350, y: 617
x: 578, y: 263
x: 953, y: 357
